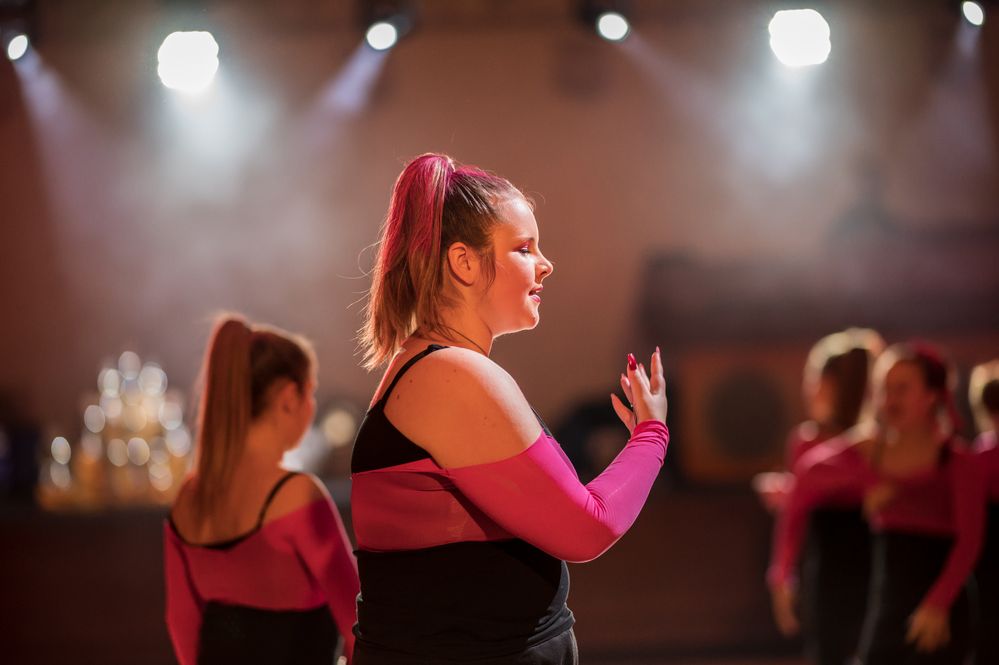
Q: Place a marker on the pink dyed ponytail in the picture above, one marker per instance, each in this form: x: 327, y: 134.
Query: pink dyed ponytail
x: 434, y: 203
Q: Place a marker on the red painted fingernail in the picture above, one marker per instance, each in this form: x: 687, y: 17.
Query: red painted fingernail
x: 632, y: 363
x: 657, y: 351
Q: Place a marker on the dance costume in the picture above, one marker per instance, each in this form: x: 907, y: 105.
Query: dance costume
x: 927, y: 539
x: 987, y: 573
x: 468, y: 564
x: 835, y: 568
x: 277, y: 594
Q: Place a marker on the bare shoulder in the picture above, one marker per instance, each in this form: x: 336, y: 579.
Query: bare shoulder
x: 297, y: 492
x: 463, y: 409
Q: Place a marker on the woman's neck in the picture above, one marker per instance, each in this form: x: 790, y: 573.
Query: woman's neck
x: 462, y: 328
x: 923, y: 437
x: 264, y: 447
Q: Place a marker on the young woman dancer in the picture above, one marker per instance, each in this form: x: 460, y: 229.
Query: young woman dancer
x: 836, y: 561
x: 258, y: 566
x: 984, y: 391
x: 923, y: 495
x: 465, y: 508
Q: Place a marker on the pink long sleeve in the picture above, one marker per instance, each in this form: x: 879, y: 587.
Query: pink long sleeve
x: 183, y: 605
x: 537, y: 496
x: 967, y: 484
x: 828, y: 472
x: 325, y: 549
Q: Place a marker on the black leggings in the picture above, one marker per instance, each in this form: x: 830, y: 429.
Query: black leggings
x: 835, y: 575
x: 559, y: 650
x: 905, y: 566
x: 248, y: 635
x: 987, y: 577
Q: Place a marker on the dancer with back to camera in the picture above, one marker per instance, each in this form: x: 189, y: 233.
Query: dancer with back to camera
x: 258, y: 565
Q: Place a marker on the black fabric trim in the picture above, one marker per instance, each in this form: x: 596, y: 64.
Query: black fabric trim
x: 379, y: 444
x: 229, y: 543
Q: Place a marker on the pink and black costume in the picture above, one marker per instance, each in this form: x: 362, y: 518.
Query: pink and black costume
x: 277, y: 594
x: 927, y: 540
x: 834, y: 569
x: 987, y: 574
x: 468, y: 564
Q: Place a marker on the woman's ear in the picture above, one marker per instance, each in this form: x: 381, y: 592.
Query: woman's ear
x: 288, y: 397
x: 463, y: 262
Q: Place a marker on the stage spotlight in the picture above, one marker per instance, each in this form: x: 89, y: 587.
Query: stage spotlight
x: 188, y: 61
x: 613, y: 26
x: 382, y: 36
x: 385, y: 22
x: 973, y: 13
x: 18, y: 46
x: 800, y: 37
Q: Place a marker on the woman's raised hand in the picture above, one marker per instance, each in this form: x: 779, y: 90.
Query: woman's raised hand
x: 645, y: 392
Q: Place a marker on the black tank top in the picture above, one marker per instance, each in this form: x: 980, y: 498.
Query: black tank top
x: 459, y: 601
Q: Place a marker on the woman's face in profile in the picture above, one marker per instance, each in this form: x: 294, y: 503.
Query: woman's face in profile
x: 512, y: 301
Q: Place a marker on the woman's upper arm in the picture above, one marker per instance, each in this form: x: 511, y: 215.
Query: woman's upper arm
x: 463, y: 409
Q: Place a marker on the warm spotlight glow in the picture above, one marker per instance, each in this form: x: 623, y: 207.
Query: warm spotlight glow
x: 178, y: 442
x: 339, y: 427
x: 973, y: 12
x: 138, y: 451
x: 800, y: 37
x: 612, y: 26
x: 160, y: 476
x: 111, y: 406
x: 109, y: 382
x: 152, y: 379
x: 188, y: 61
x: 18, y: 46
x: 382, y: 36
x: 60, y: 476
x: 129, y: 365
x: 117, y: 452
x: 134, y: 417
x: 61, y: 451
x: 93, y: 419
x: 171, y: 415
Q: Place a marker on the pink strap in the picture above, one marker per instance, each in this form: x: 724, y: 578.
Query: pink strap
x: 537, y: 496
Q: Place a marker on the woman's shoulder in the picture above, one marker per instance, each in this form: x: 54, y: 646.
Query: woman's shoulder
x: 299, y: 490
x: 458, y: 376
x: 463, y: 408
x: 851, y: 448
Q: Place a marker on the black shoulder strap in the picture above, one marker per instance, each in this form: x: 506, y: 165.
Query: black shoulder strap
x: 270, y: 496
x: 405, y: 368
